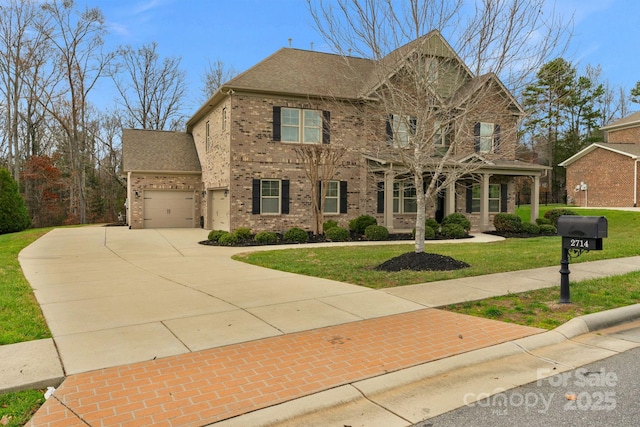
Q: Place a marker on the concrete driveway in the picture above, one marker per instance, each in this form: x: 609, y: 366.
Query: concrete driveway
x: 113, y: 296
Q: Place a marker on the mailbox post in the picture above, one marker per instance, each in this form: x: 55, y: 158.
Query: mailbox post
x: 579, y: 234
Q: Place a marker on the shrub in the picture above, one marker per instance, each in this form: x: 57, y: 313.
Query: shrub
x: 228, y: 239
x: 14, y: 216
x: 530, y: 228
x: 296, y: 235
x: 214, y: 235
x: 429, y: 233
x: 543, y: 221
x: 453, y: 231
x: 553, y: 214
x: 337, y: 234
x: 329, y: 225
x: 376, y: 232
x: 548, y: 230
x: 457, y: 218
x: 243, y: 233
x: 266, y: 237
x: 432, y: 223
x: 361, y: 223
x: 507, y: 223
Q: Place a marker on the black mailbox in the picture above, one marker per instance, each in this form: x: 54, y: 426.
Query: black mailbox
x: 583, y: 233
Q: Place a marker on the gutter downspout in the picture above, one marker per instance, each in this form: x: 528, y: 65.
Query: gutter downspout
x: 635, y: 183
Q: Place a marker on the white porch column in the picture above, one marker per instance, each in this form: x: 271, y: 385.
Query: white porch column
x: 388, y: 200
x: 450, y: 203
x: 535, y: 199
x: 484, y: 202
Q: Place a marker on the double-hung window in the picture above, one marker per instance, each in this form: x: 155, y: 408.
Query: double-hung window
x: 442, y: 135
x: 399, y: 129
x: 332, y: 199
x: 494, y: 198
x: 487, y: 137
x: 299, y: 125
x: 270, y: 196
x: 405, y: 197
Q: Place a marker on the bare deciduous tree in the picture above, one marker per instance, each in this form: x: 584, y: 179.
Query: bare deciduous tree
x: 216, y: 74
x: 152, y: 90
x: 429, y: 98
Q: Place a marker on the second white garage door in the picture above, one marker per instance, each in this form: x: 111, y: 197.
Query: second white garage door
x: 168, y: 209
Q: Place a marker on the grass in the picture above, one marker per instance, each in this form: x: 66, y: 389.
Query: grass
x: 356, y: 264
x: 20, y: 316
x: 17, y: 408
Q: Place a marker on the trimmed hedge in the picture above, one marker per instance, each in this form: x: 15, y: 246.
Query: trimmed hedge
x: 457, y: 218
x: 360, y: 224
x: 507, y: 223
x: 553, y: 214
x: 376, y: 232
x: 329, y: 225
x: 296, y: 235
x: 337, y: 234
x: 548, y: 230
x: 453, y: 231
x: 266, y: 237
x: 243, y: 233
x: 432, y: 223
x: 228, y: 239
x: 214, y: 235
x: 530, y: 228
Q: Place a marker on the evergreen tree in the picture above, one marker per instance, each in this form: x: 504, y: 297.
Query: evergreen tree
x: 13, y: 212
x: 635, y: 93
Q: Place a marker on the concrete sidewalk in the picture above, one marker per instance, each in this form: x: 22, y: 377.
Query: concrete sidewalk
x: 115, y: 297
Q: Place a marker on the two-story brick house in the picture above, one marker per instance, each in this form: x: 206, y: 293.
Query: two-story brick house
x: 248, y: 173
x: 605, y: 174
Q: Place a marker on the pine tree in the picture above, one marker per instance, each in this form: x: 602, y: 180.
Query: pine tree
x: 13, y: 212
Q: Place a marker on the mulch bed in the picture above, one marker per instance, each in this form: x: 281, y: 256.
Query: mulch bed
x: 422, y: 262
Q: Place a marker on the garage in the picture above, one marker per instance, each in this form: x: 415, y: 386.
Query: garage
x: 168, y: 209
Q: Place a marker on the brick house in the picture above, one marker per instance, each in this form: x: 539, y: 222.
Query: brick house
x: 605, y: 174
x: 246, y: 172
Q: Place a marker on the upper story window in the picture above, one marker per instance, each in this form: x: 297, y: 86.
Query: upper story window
x: 487, y: 137
x: 224, y: 118
x: 442, y: 136
x: 399, y: 129
x: 207, y: 136
x: 300, y: 125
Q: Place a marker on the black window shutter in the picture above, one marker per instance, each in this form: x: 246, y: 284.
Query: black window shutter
x: 380, y: 197
x: 343, y: 197
x: 470, y: 199
x: 255, y: 197
x: 326, y: 127
x: 319, y: 194
x: 276, y: 124
x: 496, y: 138
x: 284, y: 208
x: 413, y: 125
x: 390, y: 129
x: 476, y: 137
x: 504, y: 206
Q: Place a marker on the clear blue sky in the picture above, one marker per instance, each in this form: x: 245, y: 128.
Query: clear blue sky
x: 243, y: 32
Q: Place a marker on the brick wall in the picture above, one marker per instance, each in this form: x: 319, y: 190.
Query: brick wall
x: 630, y: 135
x: 139, y: 182
x: 609, y: 179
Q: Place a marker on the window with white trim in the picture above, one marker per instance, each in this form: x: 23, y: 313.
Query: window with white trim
x: 486, y: 137
x: 399, y: 128
x: 405, y: 198
x: 270, y: 196
x: 298, y: 125
x: 494, y: 198
x: 442, y: 136
x: 332, y: 199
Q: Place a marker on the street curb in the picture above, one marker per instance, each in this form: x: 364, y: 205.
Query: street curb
x: 30, y: 365
x: 387, y: 382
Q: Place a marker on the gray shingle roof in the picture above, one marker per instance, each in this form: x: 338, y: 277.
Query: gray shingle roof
x: 633, y: 119
x: 152, y: 150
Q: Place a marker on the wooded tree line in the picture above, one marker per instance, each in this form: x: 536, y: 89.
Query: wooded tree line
x: 62, y: 150
x: 65, y: 153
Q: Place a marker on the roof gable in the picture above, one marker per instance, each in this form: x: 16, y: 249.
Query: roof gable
x: 625, y: 122
x: 152, y: 150
x: 630, y: 150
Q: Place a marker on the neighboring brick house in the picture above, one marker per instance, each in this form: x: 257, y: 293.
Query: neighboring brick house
x: 246, y: 134
x: 605, y: 174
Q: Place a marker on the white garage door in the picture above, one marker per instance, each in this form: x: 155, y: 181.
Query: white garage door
x: 168, y: 209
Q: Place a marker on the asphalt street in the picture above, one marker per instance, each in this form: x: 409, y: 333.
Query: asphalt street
x: 604, y: 393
